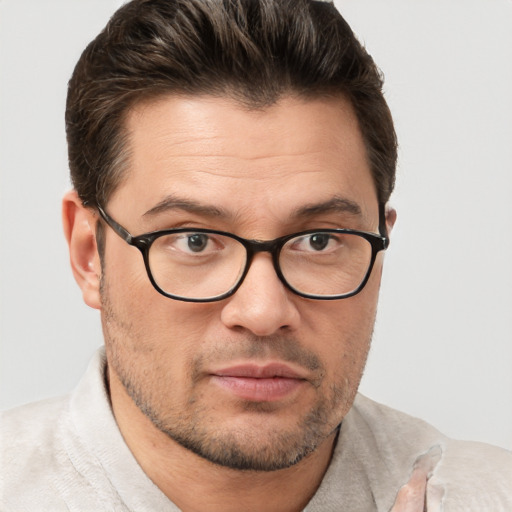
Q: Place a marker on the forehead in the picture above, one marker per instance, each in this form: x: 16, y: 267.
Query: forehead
x: 261, y: 162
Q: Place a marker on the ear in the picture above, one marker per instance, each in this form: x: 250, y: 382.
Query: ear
x: 80, y: 231
x: 390, y: 218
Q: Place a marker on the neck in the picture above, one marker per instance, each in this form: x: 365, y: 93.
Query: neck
x: 195, y: 484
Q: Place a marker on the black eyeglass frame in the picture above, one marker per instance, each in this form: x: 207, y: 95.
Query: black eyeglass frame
x: 143, y: 243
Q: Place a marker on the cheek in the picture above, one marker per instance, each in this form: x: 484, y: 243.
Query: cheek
x: 150, y: 340
x: 141, y: 320
x: 343, y: 330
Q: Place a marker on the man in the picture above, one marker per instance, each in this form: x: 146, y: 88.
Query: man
x: 246, y: 151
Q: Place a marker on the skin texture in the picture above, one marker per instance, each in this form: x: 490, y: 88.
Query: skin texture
x: 249, y: 173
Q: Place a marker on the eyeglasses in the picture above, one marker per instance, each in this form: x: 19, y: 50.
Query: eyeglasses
x: 205, y: 265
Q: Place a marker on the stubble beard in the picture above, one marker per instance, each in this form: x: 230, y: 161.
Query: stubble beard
x: 239, y: 448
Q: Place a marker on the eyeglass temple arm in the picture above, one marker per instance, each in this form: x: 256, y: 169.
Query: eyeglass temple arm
x: 383, y: 229
x: 115, y: 226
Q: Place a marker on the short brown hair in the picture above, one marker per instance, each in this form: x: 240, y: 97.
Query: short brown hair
x: 253, y: 51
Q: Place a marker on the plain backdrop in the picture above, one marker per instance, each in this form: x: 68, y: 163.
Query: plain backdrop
x: 442, y: 347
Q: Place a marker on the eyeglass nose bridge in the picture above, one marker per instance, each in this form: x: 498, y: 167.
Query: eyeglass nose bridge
x: 254, y: 247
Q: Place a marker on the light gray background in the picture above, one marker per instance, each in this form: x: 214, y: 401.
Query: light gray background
x: 442, y: 348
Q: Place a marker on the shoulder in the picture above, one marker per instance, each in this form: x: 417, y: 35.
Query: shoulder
x: 30, y: 430
x: 46, y: 461
x: 473, y: 476
x: 25, y: 417
x: 476, y: 476
x: 31, y: 447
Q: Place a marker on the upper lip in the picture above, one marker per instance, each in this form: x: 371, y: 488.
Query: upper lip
x: 254, y: 371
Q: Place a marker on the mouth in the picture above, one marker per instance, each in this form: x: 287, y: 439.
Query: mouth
x: 268, y: 383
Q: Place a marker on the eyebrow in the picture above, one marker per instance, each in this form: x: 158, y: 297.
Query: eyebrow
x: 335, y: 205
x: 173, y: 202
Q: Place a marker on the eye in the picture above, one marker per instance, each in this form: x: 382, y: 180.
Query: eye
x: 319, y: 241
x: 316, y: 242
x: 197, y: 242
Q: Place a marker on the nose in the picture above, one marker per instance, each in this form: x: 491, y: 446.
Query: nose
x: 262, y: 304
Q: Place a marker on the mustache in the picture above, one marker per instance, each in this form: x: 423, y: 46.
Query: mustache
x: 284, y: 348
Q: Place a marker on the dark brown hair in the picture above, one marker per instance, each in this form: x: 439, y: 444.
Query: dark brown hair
x: 254, y: 51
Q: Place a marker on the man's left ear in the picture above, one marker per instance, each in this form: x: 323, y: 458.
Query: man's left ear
x: 79, y: 225
x: 390, y: 218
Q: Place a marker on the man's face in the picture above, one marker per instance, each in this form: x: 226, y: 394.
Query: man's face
x: 260, y: 379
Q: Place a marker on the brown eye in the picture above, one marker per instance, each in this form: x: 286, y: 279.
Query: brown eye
x: 319, y: 241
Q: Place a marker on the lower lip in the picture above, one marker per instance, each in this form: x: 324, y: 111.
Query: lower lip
x: 258, y: 390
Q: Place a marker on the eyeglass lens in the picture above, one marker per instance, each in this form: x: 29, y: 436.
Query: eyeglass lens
x: 205, y: 265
